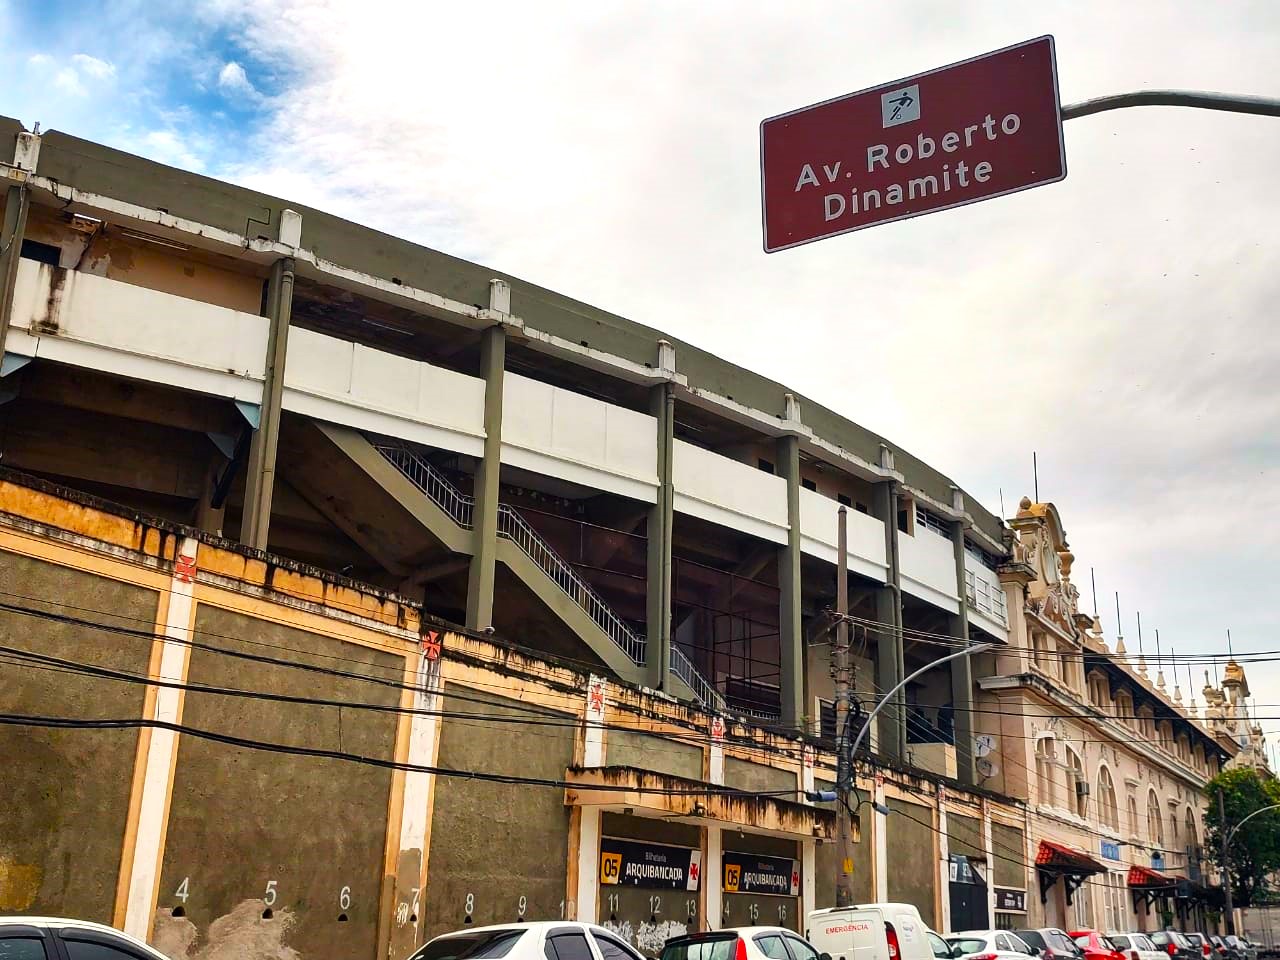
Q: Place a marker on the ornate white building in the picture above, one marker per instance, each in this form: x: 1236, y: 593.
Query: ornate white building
x: 1111, y: 761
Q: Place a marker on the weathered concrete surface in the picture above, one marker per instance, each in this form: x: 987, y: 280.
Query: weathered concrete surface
x: 964, y: 835
x: 662, y: 795
x: 1009, y: 848
x: 827, y: 860
x: 495, y: 843
x: 66, y: 792
x: 745, y: 775
x: 912, y: 872
x: 243, y: 819
x: 660, y: 754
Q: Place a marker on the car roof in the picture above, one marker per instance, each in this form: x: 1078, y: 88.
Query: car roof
x: 751, y: 931
x: 975, y: 933
x: 63, y: 923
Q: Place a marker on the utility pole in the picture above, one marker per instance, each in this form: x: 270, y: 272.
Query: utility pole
x: 844, y: 765
x: 1226, y: 861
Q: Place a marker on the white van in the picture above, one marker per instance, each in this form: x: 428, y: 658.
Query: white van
x: 873, y: 931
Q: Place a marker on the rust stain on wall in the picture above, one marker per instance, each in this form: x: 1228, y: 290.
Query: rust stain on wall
x: 19, y: 884
x: 241, y: 934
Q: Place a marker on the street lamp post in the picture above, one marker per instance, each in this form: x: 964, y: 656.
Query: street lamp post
x: 1227, y: 837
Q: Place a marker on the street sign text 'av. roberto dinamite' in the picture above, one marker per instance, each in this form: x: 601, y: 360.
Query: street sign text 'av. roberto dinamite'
x: 971, y: 131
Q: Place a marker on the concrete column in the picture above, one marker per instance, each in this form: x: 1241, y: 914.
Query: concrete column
x: 713, y: 879
x: 880, y: 850
x: 11, y: 231
x: 790, y: 637
x: 582, y: 905
x: 988, y: 848
x: 26, y: 153
x: 962, y: 671
x: 138, y: 884
x: 892, y: 734
x: 261, y: 475
x: 208, y: 517
x: 484, y: 515
x: 662, y: 402
x: 944, y: 863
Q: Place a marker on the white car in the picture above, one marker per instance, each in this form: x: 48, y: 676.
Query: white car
x: 988, y: 945
x: 742, y: 943
x: 51, y: 938
x: 541, y: 940
x: 1137, y: 946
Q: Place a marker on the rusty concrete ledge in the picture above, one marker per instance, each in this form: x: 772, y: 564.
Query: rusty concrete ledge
x: 650, y: 794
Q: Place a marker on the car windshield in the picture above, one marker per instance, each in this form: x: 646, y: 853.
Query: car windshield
x: 965, y: 945
x: 1143, y: 943
x: 1032, y: 939
x: 709, y: 947
x: 482, y: 945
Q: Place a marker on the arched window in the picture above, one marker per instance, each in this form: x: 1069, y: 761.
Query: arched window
x: 1046, y: 761
x: 1155, y: 824
x: 1108, y: 810
x: 1076, y: 797
x: 1191, y: 834
x: 1132, y: 825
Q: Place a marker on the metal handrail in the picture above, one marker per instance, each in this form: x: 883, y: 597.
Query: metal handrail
x: 702, y: 688
x: 516, y: 529
x: 460, y: 508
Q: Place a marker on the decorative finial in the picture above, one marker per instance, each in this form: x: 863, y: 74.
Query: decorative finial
x: 1177, y: 688
x: 1159, y: 663
x: 1142, y: 660
x: 1120, y: 651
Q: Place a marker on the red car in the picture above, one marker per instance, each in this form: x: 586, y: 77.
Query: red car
x: 1096, y: 946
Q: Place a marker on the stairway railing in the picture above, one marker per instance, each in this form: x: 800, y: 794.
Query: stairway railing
x: 460, y: 508
x: 683, y: 668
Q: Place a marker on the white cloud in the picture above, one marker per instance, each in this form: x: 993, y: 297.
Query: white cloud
x: 68, y: 81
x: 233, y: 81
x: 93, y: 67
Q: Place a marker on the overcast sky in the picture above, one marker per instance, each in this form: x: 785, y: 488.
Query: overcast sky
x: 1121, y: 323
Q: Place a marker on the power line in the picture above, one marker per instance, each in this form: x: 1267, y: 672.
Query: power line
x: 134, y: 723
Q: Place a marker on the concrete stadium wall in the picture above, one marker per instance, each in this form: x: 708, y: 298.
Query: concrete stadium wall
x: 209, y: 845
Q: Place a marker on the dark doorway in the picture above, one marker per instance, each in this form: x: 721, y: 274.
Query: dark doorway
x: 968, y: 895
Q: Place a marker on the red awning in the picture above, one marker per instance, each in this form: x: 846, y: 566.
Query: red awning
x: 1146, y: 877
x: 1060, y: 859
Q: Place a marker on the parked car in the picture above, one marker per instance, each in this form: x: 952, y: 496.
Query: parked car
x: 1096, y: 946
x: 741, y: 943
x: 542, y: 940
x: 1051, y: 943
x: 871, y: 931
x: 1137, y: 946
x: 51, y: 938
x: 1176, y: 945
x: 1238, y: 945
x: 989, y: 945
x: 1220, y: 949
x: 1201, y: 943
x: 941, y: 949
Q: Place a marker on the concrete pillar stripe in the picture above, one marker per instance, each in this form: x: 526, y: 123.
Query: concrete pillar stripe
x: 161, y: 756
x: 588, y: 866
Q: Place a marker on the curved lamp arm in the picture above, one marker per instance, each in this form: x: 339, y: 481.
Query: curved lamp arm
x: 964, y: 652
x: 1232, y: 832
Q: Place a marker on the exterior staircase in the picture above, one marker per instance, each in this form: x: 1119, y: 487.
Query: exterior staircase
x: 534, y: 560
